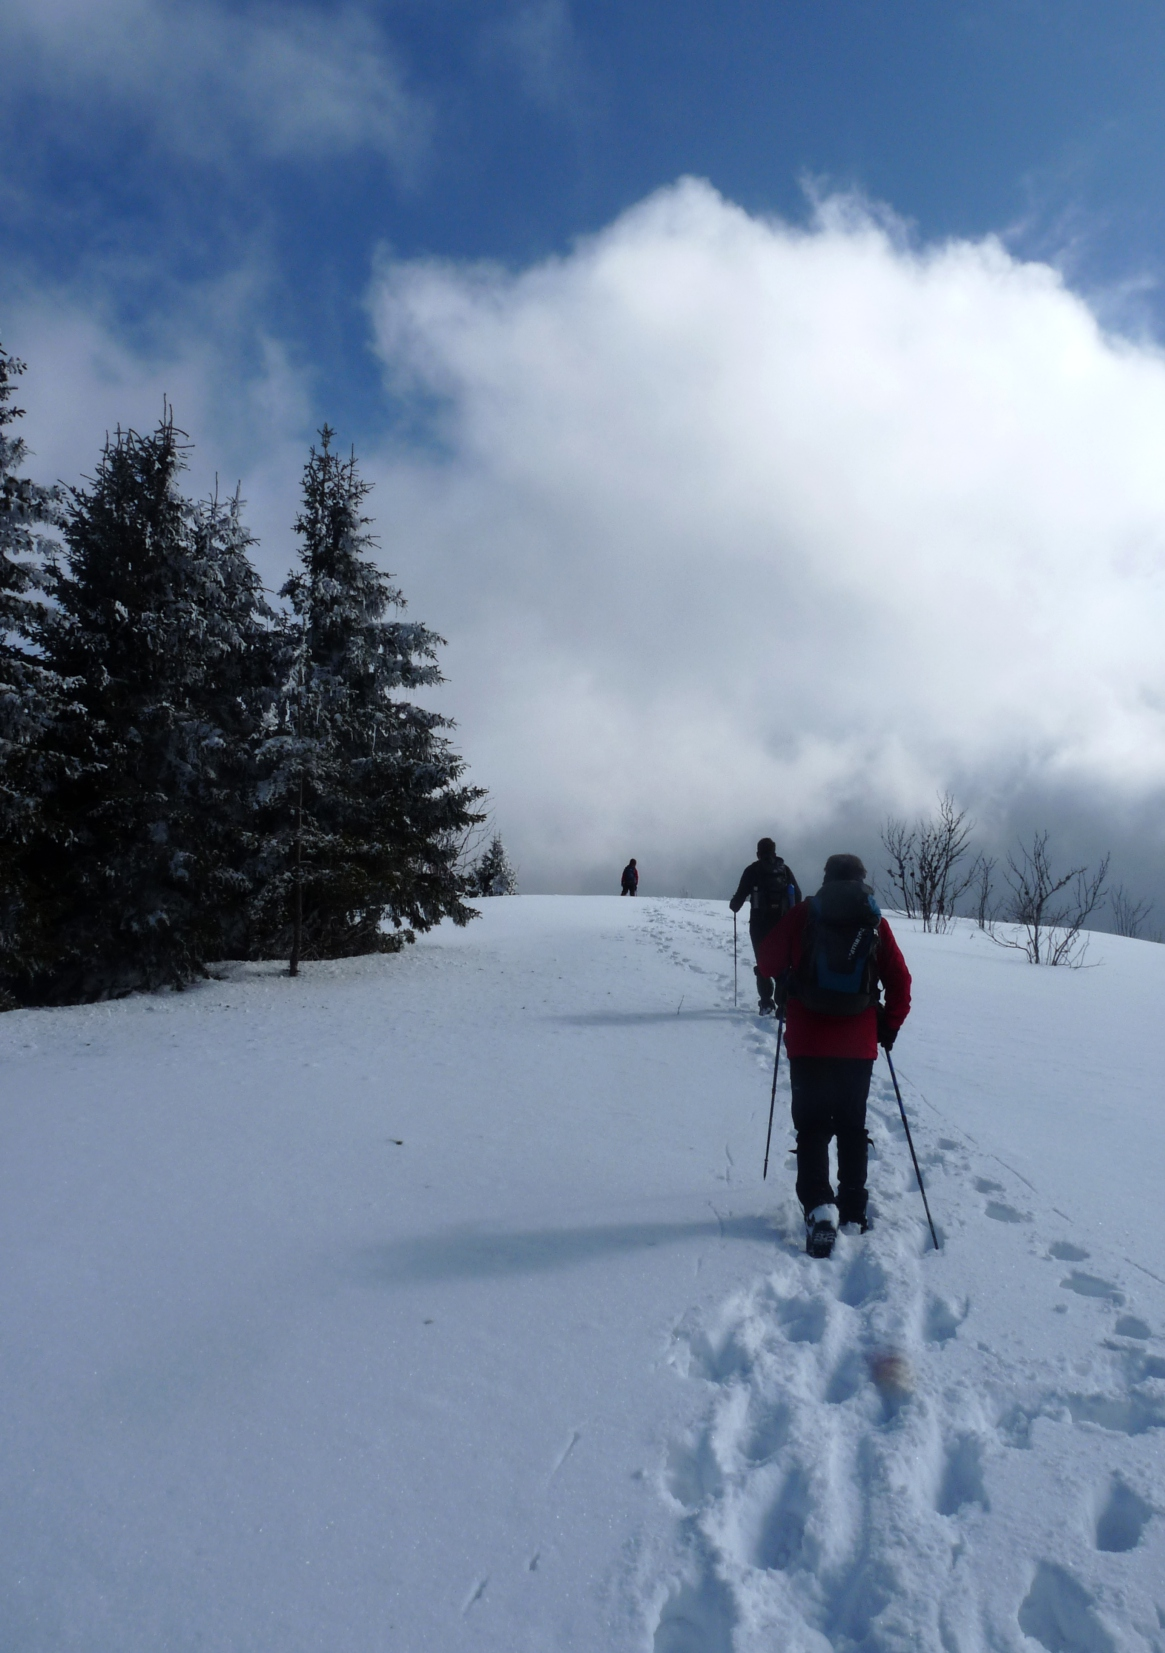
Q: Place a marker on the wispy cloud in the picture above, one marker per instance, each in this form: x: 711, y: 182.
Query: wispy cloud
x: 284, y: 81
x: 537, y: 40
x: 232, y: 386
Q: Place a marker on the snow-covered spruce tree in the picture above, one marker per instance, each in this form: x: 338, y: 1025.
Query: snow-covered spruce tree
x: 155, y: 615
x: 363, y: 811
x: 230, y: 692
x: 494, y: 873
x: 30, y: 693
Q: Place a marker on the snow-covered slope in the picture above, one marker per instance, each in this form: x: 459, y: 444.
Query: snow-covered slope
x: 436, y: 1302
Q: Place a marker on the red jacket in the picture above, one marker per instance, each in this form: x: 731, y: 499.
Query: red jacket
x: 808, y: 1032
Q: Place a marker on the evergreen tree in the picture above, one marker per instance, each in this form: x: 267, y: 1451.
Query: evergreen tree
x: 494, y: 873
x: 30, y: 693
x: 363, y: 808
x: 232, y: 684
x: 155, y: 614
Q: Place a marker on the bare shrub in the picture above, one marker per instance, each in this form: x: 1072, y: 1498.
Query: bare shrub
x: 898, y: 842
x: 925, y: 862
x: 981, y: 887
x: 1128, y: 915
x: 1049, y: 909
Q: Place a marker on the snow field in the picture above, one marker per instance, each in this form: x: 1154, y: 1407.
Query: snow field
x: 436, y: 1302
x: 837, y: 1512
x: 997, y: 1488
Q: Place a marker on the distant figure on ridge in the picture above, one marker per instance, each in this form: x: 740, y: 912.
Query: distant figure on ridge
x: 770, y: 889
x: 630, y: 878
x: 830, y: 954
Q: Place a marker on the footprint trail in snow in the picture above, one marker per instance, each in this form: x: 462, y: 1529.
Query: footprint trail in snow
x: 997, y: 1483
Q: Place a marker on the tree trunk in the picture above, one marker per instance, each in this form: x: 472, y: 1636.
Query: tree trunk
x: 297, y: 931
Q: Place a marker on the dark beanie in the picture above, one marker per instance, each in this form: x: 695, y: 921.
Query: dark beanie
x: 840, y: 867
x: 766, y: 847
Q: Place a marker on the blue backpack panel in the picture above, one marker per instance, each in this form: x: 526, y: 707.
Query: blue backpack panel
x: 838, y: 972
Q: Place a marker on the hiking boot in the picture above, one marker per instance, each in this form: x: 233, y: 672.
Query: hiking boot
x: 856, y: 1225
x: 766, y: 1008
x: 821, y: 1230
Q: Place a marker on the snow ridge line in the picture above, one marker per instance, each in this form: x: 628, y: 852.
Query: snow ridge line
x: 871, y: 1477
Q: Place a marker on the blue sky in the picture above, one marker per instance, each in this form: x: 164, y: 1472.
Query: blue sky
x: 502, y: 131
x: 885, y: 372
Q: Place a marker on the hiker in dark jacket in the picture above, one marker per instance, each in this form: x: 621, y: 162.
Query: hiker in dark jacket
x: 832, y: 1035
x: 630, y: 878
x: 770, y: 890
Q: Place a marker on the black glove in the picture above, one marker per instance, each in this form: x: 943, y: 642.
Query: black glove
x: 886, y: 1033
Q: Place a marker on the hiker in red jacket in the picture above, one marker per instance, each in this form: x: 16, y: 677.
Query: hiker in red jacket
x: 830, y: 955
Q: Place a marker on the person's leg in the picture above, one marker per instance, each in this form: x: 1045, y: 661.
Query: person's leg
x: 813, y: 1124
x: 850, y: 1090
x: 765, y: 985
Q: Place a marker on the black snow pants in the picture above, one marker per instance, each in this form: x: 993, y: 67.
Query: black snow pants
x: 829, y: 1099
x: 759, y: 926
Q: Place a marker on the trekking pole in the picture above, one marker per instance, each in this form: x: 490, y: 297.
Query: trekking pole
x: 773, y: 1097
x: 913, y: 1155
x: 734, y: 961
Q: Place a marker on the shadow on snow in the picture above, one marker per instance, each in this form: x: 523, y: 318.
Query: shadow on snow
x: 638, y: 1018
x: 470, y: 1252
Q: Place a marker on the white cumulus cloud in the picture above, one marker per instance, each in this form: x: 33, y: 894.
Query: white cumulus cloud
x: 736, y: 526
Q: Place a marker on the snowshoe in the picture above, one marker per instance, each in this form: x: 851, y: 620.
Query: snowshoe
x: 821, y: 1231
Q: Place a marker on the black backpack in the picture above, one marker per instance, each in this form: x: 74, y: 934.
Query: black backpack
x: 774, y: 890
x: 838, y: 972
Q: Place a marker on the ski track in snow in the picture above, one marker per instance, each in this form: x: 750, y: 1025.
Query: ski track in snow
x: 909, y: 1450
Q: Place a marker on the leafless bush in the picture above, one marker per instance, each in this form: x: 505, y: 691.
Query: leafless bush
x: 925, y: 861
x: 898, y: 842
x: 1049, y: 909
x: 981, y: 886
x: 1129, y: 916
x: 471, y: 846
